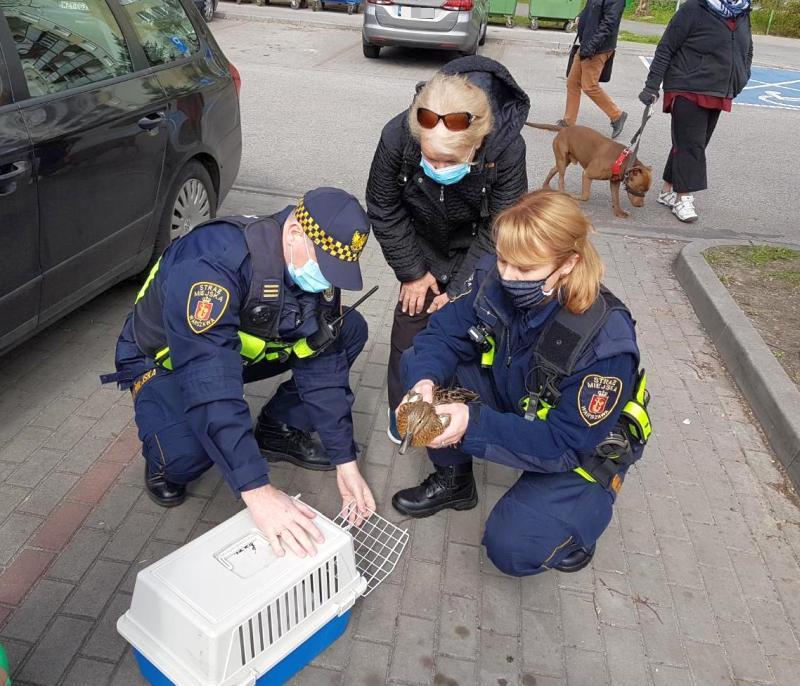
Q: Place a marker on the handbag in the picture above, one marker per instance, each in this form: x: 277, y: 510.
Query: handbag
x: 608, y: 67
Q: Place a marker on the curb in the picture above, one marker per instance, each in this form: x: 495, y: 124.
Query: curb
x: 772, y: 395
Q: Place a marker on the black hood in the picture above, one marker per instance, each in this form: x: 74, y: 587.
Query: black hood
x: 510, y: 104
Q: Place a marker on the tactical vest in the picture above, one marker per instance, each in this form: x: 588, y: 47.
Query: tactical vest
x: 560, y: 345
x: 261, y: 314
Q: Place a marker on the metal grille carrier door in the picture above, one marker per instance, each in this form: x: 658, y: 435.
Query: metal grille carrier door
x: 224, y: 610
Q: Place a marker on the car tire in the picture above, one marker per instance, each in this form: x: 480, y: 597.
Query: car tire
x: 482, y: 40
x: 294, y: 4
x: 191, y: 200
x: 569, y: 27
x: 351, y: 9
x: 371, y: 51
x: 509, y: 22
x: 208, y: 10
x: 534, y: 23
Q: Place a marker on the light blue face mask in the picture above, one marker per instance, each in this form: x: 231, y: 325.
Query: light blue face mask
x: 309, y: 277
x: 445, y: 175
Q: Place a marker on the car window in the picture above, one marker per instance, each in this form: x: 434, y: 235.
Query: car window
x: 164, y: 29
x: 66, y: 43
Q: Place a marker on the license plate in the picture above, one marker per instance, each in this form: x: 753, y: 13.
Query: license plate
x: 422, y: 12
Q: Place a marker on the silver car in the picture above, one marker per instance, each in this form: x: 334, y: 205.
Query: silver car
x: 458, y: 25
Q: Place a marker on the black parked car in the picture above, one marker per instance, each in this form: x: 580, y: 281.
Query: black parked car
x: 119, y: 130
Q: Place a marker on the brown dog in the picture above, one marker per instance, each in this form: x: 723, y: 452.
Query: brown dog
x: 596, y: 153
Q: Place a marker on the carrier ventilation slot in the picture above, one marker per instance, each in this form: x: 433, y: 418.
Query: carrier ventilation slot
x: 288, y: 610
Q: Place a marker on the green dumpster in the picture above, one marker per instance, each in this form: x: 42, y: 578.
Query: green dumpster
x: 503, y: 8
x: 5, y: 670
x: 554, y: 10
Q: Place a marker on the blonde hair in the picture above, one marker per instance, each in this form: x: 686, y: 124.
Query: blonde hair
x: 446, y: 93
x: 548, y: 226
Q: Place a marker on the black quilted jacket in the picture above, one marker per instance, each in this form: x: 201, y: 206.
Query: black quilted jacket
x: 425, y: 227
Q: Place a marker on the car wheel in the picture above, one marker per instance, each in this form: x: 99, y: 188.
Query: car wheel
x: 294, y: 4
x: 191, y: 200
x: 482, y: 41
x: 371, y: 51
x: 350, y: 9
x: 509, y: 22
x: 534, y: 23
x: 208, y: 10
x: 570, y: 26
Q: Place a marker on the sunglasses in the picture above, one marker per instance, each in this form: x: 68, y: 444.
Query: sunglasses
x: 455, y: 121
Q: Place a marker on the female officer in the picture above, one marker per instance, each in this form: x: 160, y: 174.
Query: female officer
x: 553, y: 358
x: 442, y: 170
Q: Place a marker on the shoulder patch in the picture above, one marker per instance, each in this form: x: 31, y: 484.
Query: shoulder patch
x: 597, y: 397
x: 206, y: 304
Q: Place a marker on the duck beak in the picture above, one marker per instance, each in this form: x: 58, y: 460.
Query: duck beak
x: 405, y: 444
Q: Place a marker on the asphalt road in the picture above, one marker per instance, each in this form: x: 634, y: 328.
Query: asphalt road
x: 313, y: 108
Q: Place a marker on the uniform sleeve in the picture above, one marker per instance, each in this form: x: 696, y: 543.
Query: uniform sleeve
x: 201, y: 315
x: 590, y: 404
x: 437, y: 351
x: 323, y: 383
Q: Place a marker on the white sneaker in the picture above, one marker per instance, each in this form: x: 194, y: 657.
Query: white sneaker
x: 684, y: 210
x: 668, y: 198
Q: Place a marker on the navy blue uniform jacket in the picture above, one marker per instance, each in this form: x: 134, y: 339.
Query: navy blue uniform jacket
x: 209, y: 366
x: 497, y: 429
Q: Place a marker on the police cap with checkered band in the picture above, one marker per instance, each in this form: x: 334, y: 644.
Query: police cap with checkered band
x: 339, y: 227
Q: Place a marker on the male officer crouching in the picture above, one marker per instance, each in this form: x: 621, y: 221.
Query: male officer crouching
x: 241, y: 299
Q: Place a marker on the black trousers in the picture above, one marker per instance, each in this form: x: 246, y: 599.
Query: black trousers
x: 692, y: 127
x: 404, y: 328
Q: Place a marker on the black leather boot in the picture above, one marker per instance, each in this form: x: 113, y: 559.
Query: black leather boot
x: 452, y: 487
x: 576, y: 560
x: 279, y: 441
x: 161, y: 491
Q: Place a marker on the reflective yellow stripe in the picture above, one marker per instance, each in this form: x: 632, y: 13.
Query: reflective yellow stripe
x: 252, y: 347
x: 487, y: 358
x: 162, y: 359
x: 638, y: 415
x: 543, y: 410
x: 302, y: 349
x: 146, y: 284
x: 582, y: 472
x: 641, y: 388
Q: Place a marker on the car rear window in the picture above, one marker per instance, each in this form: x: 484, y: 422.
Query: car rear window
x: 164, y: 29
x: 66, y: 43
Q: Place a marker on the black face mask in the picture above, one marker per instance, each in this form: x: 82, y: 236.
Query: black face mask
x: 527, y: 294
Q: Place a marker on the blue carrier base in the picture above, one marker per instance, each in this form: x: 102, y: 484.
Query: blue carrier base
x: 281, y: 672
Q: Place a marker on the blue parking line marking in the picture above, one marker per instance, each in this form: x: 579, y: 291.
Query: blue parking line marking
x: 768, y: 87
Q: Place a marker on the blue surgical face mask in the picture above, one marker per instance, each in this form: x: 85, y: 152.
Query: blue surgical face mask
x: 445, y: 175
x: 309, y: 277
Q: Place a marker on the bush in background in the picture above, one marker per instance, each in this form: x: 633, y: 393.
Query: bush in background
x: 785, y: 20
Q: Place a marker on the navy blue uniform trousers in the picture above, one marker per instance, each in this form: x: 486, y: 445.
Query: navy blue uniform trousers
x: 168, y: 443
x: 542, y: 517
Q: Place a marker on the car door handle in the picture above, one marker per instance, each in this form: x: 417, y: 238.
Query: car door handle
x: 152, y: 121
x: 17, y: 169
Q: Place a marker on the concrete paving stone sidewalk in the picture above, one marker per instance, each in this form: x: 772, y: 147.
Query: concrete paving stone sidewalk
x: 696, y: 580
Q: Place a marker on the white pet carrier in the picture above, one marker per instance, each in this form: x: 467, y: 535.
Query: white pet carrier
x: 224, y: 610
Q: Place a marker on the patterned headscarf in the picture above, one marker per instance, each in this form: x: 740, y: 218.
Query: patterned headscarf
x: 729, y: 8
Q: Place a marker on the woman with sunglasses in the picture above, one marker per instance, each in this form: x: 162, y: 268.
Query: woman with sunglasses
x: 551, y: 391
x: 442, y: 170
